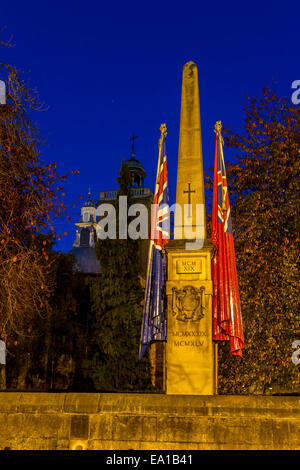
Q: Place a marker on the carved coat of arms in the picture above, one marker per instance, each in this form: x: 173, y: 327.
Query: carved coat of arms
x: 188, y: 303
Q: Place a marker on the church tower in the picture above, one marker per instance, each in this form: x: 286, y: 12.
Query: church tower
x: 86, y: 237
x: 83, y: 247
x: 136, y: 169
x: 86, y: 227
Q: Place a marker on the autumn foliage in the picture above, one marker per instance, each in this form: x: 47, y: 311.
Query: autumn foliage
x: 264, y: 197
x: 30, y: 199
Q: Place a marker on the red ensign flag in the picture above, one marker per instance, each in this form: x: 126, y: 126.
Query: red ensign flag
x: 227, y: 319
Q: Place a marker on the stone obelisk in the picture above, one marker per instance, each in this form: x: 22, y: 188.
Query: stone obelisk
x: 190, y: 352
x: 190, y: 180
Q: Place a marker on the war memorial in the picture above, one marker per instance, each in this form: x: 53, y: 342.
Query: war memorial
x: 188, y: 414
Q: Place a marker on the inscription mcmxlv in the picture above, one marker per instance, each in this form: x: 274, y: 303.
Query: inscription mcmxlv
x: 184, y: 342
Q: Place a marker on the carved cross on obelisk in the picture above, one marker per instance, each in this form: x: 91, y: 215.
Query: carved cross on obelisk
x: 189, y: 191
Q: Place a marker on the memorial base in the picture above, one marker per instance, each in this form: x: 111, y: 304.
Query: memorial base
x: 190, y: 352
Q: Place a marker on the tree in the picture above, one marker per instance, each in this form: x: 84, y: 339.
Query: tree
x: 30, y: 197
x: 51, y: 354
x: 264, y: 197
x: 61, y: 344
x: 117, y: 298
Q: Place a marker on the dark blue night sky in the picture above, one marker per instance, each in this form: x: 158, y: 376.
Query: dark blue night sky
x: 108, y: 72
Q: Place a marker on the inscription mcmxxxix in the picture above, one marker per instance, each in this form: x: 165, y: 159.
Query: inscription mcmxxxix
x: 189, y: 333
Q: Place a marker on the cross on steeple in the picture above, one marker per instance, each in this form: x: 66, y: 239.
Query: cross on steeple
x: 89, y: 195
x: 132, y: 145
x: 189, y: 191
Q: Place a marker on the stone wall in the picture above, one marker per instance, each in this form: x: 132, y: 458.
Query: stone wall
x: 144, y: 421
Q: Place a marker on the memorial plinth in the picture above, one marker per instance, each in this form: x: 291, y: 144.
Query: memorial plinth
x: 190, y: 352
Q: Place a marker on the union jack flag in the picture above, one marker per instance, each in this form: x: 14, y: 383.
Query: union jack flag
x: 155, y: 308
x: 227, y: 319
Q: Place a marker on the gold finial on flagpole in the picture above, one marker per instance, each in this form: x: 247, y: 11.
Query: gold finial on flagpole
x: 218, y: 129
x: 163, y: 129
x: 163, y: 133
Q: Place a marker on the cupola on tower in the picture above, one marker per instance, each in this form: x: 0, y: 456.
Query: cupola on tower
x: 83, y: 247
x: 136, y: 169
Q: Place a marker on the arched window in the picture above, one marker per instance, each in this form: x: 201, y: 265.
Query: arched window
x: 85, y: 237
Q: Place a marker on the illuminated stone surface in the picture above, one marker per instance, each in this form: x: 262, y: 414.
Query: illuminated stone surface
x: 190, y: 179
x: 190, y: 352
x: 144, y: 421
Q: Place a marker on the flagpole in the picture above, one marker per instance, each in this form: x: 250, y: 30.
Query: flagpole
x: 227, y: 319
x: 163, y: 132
